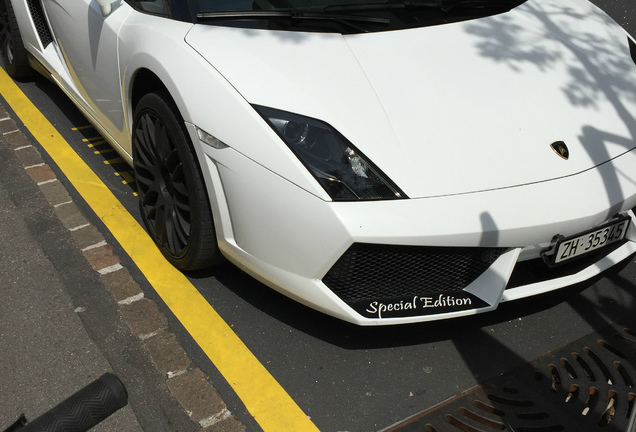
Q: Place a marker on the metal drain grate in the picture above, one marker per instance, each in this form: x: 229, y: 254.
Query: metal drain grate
x: 587, y: 386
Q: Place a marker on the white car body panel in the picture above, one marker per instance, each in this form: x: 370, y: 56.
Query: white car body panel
x: 173, y: 58
x: 429, y: 107
x: 464, y: 134
x: 311, y: 246
x: 91, y: 61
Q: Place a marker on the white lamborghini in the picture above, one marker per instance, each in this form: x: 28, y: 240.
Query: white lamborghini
x: 382, y: 161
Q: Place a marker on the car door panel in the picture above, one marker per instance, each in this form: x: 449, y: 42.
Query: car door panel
x: 88, y: 46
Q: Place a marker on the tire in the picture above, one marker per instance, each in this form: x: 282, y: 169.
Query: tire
x: 14, y: 55
x: 173, y: 198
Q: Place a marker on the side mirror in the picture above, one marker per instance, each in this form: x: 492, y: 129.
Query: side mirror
x: 105, y: 6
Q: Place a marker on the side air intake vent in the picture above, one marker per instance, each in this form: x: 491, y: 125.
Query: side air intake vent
x: 632, y: 48
x: 37, y: 14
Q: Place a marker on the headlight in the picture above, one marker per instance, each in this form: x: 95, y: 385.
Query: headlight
x: 344, y: 172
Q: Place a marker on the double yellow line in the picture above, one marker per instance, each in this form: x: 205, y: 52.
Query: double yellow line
x: 265, y: 399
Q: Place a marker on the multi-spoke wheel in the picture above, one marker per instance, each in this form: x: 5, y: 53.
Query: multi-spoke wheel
x: 14, y: 55
x: 174, y: 202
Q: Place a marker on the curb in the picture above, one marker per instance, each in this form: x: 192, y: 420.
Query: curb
x: 189, y: 385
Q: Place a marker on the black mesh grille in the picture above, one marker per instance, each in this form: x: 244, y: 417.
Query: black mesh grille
x: 369, y: 271
x: 37, y: 14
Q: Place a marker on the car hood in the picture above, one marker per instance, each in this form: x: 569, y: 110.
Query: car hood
x: 454, y: 108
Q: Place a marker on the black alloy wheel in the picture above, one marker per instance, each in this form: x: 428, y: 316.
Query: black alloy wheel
x: 173, y: 198
x: 14, y: 55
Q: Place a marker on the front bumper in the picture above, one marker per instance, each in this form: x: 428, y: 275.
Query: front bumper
x: 290, y: 239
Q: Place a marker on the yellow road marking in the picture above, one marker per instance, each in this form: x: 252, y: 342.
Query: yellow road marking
x: 266, y: 400
x: 116, y: 160
x: 127, y: 176
x: 82, y: 127
x: 108, y: 150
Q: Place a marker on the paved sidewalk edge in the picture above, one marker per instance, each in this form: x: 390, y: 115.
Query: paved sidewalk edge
x: 188, y: 385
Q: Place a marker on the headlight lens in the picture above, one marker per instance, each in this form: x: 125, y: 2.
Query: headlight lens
x: 344, y: 172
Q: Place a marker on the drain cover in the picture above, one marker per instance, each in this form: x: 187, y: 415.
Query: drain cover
x: 589, y: 385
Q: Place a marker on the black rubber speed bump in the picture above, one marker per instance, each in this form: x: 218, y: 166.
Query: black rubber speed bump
x: 587, y: 386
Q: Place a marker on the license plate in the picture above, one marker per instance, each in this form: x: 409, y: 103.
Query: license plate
x: 581, y: 244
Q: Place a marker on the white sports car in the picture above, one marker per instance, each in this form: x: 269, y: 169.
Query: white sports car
x: 382, y: 161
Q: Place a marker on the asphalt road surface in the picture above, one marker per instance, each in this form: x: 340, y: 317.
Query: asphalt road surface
x: 623, y: 12
x: 347, y: 378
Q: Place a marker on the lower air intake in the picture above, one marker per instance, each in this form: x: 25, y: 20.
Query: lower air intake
x: 372, y: 271
x: 37, y: 14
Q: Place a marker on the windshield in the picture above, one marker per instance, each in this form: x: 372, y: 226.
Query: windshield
x: 344, y: 16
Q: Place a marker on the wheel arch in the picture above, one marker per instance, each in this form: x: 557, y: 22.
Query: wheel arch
x: 145, y: 81
x: 145, y: 71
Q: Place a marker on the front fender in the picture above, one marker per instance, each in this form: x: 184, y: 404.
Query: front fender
x: 203, y: 96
